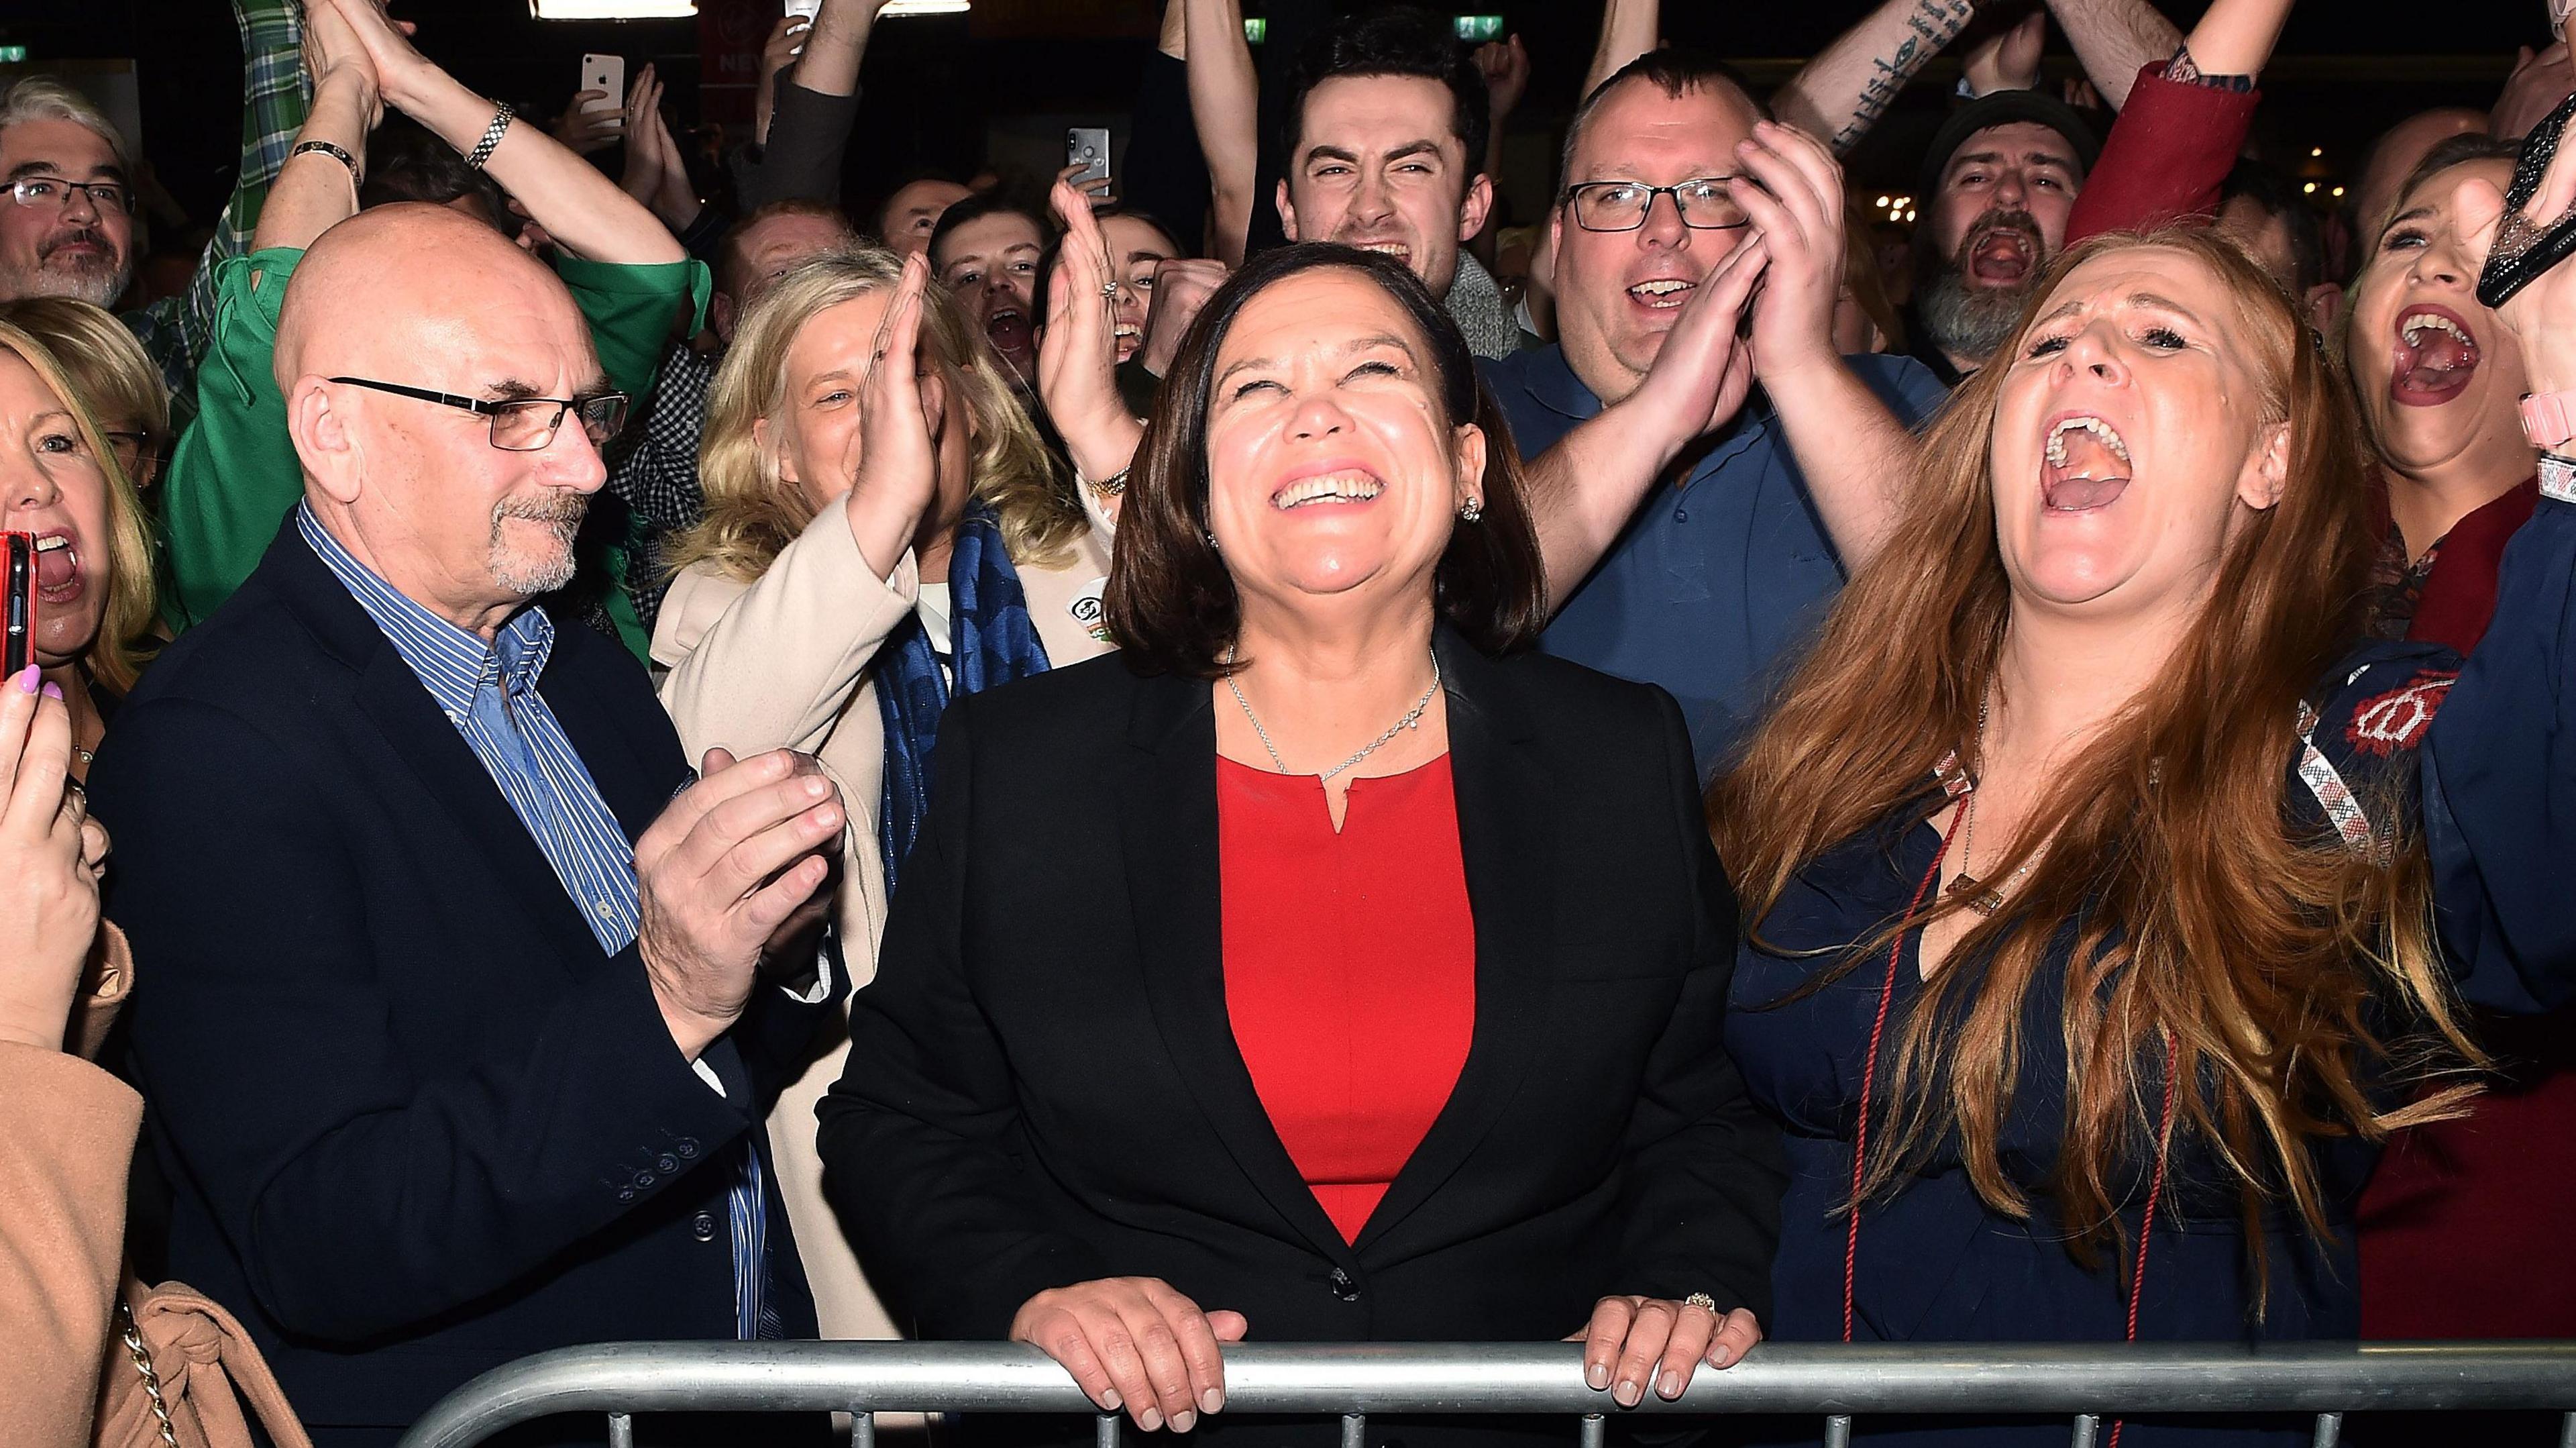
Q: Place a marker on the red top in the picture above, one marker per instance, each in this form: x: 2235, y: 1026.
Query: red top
x: 2166, y: 157
x: 1350, y: 967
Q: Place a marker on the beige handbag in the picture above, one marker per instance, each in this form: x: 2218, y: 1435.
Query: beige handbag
x: 178, y: 1374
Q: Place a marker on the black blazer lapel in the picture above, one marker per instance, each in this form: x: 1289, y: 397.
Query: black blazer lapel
x: 399, y: 705
x: 1507, y: 842
x: 1167, y: 831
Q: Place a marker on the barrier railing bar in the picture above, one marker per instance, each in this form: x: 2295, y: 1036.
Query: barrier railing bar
x: 2087, y: 1429
x: 621, y: 1431
x: 2567, y: 1432
x: 1104, y: 1430
x: 863, y: 1430
x: 1596, y: 1430
x: 2329, y: 1430
x: 1536, y: 1378
x: 1838, y: 1431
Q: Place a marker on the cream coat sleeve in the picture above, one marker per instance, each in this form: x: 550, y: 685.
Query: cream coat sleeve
x: 66, y: 1138
x: 773, y: 665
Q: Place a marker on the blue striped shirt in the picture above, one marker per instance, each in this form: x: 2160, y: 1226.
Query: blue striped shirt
x: 489, y: 692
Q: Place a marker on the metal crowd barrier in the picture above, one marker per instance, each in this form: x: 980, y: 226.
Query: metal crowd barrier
x: 2087, y: 1384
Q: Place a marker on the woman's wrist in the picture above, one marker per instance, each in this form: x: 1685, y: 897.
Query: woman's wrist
x: 1103, y: 446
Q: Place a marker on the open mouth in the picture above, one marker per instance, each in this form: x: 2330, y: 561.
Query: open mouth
x: 1395, y: 249
x: 2434, y: 356
x: 1007, y: 328
x: 2084, y: 466
x: 1127, y: 337
x: 1349, y: 485
x: 1663, y: 294
x: 2002, y: 256
x: 58, y: 570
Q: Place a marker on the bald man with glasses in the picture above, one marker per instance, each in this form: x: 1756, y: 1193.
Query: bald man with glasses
x: 467, y: 1002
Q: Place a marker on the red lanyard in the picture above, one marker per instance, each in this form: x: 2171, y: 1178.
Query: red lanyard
x: 1868, y: 1088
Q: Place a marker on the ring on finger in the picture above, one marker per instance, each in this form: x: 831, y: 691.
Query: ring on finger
x: 1109, y: 290
x: 1702, y: 1301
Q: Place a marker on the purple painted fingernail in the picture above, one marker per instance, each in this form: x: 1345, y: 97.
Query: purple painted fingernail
x: 30, y: 679
x: 53, y: 691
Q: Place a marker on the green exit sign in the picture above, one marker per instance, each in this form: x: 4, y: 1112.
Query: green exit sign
x: 1476, y: 28
x: 1255, y: 30
x: 12, y: 54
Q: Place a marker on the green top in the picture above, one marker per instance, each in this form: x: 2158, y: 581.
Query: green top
x: 235, y: 477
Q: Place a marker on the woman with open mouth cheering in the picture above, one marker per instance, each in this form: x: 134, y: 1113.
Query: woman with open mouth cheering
x: 2092, y: 859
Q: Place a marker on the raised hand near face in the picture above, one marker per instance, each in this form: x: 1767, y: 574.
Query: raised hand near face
x: 1792, y: 189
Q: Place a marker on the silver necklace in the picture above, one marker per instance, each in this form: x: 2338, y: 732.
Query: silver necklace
x: 1983, y: 898
x: 1412, y: 720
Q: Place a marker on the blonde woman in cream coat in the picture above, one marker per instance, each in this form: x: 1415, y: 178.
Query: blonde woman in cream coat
x: 866, y: 529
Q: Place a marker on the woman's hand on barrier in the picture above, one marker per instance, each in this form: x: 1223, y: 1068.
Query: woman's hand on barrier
x: 1134, y: 1343
x: 1635, y: 1342
x: 48, y: 891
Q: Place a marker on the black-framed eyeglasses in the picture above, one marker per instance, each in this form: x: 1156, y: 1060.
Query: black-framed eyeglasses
x: 1622, y: 205
x: 57, y: 191
x: 522, y: 424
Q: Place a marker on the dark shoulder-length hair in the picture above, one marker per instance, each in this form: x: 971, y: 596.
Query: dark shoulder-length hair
x: 1170, y: 602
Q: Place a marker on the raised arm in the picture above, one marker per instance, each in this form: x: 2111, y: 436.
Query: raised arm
x: 315, y: 190
x: 587, y: 213
x: 2181, y: 129
x: 2113, y: 38
x: 1629, y: 28
x: 1855, y: 453
x: 1841, y: 93
x: 177, y: 331
x: 1225, y: 94
x: 814, y: 105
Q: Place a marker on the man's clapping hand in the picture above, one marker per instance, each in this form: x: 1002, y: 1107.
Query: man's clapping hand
x: 724, y: 867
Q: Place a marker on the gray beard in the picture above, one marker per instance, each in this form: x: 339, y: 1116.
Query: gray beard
x: 1968, y: 322
x: 98, y: 288
x: 529, y: 577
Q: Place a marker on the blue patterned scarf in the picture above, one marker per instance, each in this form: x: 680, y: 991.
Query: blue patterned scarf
x: 992, y: 642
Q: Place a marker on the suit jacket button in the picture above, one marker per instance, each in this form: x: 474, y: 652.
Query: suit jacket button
x: 667, y: 1164
x: 626, y: 1194
x: 644, y: 1178
x: 1343, y: 1287
x: 703, y: 1226
x: 688, y: 1148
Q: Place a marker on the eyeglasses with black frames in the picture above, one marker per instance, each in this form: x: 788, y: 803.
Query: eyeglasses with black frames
x: 522, y: 424
x: 1622, y: 205
x: 57, y: 192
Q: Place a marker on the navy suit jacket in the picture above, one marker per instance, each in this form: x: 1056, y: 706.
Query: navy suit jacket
x: 417, y: 1122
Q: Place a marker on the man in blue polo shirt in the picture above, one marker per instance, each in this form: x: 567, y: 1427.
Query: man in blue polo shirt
x: 1695, y: 527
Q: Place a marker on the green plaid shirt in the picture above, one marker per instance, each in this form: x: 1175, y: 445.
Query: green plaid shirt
x: 177, y: 330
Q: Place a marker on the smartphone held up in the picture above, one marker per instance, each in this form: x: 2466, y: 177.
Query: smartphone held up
x: 19, y: 648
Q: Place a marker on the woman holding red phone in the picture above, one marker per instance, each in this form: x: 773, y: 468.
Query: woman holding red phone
x: 92, y: 590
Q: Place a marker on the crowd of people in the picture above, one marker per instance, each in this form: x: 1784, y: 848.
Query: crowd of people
x: 665, y: 755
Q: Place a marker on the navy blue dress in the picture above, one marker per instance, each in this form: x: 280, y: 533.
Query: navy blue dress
x: 2480, y: 764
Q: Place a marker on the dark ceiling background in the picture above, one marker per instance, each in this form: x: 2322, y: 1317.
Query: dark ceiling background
x: 936, y: 87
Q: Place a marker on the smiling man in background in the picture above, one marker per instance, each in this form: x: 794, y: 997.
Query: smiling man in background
x: 1387, y: 119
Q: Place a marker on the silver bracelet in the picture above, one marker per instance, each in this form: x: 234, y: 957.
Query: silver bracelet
x: 492, y: 134
x: 325, y: 148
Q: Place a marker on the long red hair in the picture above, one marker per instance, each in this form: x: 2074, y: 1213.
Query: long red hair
x: 2290, y: 974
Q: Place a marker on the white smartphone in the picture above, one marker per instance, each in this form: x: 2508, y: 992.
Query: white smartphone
x: 807, y: 8
x: 1087, y: 147
x: 607, y: 74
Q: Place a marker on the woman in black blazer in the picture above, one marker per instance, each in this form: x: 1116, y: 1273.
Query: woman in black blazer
x: 1048, y: 1129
